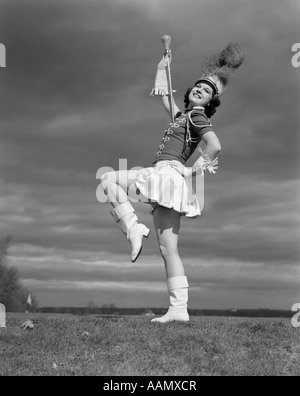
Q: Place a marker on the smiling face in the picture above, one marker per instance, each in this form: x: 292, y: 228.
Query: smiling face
x: 200, y: 95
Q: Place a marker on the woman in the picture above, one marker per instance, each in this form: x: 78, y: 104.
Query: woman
x: 165, y: 185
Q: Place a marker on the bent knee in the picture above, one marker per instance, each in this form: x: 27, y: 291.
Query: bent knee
x: 109, y: 177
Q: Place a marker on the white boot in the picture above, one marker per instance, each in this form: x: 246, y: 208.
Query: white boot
x: 178, y: 292
x: 128, y: 222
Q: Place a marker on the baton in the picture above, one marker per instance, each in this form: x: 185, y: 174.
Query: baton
x: 166, y: 42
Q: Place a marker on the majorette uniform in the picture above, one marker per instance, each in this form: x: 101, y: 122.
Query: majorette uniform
x: 162, y: 184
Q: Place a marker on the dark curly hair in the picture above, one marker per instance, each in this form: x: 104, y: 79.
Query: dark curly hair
x: 210, y: 109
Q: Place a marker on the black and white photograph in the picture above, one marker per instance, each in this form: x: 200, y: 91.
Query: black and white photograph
x: 149, y: 190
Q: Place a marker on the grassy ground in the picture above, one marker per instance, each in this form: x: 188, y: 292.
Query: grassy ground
x: 116, y: 346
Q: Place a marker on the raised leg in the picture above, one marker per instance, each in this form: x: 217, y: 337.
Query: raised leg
x: 117, y: 186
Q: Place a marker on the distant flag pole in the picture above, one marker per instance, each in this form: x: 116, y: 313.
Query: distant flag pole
x: 29, y: 303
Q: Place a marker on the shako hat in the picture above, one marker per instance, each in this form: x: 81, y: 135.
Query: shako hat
x: 217, y: 69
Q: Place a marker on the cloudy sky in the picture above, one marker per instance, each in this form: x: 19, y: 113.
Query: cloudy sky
x: 75, y: 98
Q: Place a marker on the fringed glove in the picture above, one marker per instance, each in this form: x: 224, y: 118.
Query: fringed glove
x: 207, y: 165
x: 203, y: 165
x: 161, y: 79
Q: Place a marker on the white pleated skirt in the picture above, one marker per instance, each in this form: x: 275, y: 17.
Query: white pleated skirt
x: 163, y: 185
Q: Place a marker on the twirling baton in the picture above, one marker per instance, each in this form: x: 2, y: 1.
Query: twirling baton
x: 166, y: 42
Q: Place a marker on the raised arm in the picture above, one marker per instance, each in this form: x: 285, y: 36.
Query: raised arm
x: 161, y: 84
x: 166, y: 103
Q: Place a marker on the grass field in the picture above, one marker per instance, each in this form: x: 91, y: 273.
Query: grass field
x: 65, y: 345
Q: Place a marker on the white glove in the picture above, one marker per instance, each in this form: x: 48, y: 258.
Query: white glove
x: 203, y: 164
x: 161, y: 79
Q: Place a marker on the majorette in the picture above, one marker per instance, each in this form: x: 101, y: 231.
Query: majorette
x: 165, y: 186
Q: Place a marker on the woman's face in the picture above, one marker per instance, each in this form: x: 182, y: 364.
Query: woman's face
x: 200, y: 95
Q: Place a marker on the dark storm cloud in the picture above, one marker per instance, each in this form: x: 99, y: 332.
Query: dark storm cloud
x: 83, y: 57
x: 65, y: 54
x: 74, y: 97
